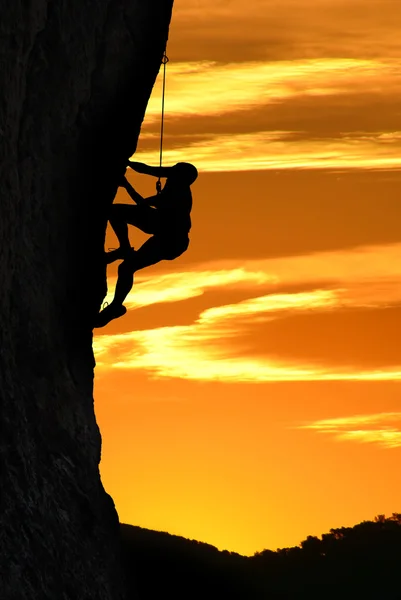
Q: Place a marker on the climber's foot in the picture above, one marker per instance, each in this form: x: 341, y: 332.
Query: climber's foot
x: 118, y: 254
x: 112, y: 311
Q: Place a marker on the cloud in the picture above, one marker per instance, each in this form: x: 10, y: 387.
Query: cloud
x: 266, y: 151
x: 210, y: 347
x: 207, y: 353
x: 273, y: 303
x: 370, y: 275
x: 173, y: 287
x: 187, y: 353
x: 373, y: 428
x: 232, y: 87
x: 235, y: 134
x: 285, y: 29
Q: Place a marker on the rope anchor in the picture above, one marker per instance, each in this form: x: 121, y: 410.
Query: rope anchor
x: 165, y: 60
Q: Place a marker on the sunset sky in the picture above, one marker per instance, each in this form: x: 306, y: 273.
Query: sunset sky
x: 252, y: 394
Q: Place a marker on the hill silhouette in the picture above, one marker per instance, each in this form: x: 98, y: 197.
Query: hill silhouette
x: 360, y: 562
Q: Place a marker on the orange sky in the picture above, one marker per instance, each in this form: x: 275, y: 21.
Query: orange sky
x: 251, y: 395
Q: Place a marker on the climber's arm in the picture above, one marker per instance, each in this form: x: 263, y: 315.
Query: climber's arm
x: 152, y: 201
x: 148, y: 170
x: 132, y: 191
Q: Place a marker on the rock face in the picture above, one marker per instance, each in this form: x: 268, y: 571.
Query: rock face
x: 75, y: 77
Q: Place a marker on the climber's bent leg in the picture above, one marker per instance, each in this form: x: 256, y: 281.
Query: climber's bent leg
x: 148, y: 254
x: 122, y: 215
x: 151, y: 252
x: 124, y: 283
x: 119, y: 223
x: 123, y: 287
x: 144, y: 217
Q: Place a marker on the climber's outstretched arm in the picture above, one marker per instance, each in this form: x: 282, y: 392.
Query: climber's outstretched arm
x: 152, y: 201
x: 148, y: 170
x: 132, y: 191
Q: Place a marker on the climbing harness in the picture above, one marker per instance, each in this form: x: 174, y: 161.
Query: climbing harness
x: 164, y: 63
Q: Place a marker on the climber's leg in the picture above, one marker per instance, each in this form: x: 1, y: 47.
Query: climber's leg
x: 125, y: 281
x: 122, y: 215
x: 150, y: 253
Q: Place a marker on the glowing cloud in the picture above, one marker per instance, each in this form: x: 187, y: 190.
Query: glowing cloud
x: 213, y: 89
x: 272, y: 303
x: 209, y: 88
x: 204, y: 350
x: 185, y: 352
x: 274, y: 151
x: 367, y: 276
x: 374, y: 428
x: 173, y: 287
x: 208, y: 348
x: 194, y: 352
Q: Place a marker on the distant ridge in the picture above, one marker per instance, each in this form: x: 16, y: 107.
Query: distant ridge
x: 348, y: 563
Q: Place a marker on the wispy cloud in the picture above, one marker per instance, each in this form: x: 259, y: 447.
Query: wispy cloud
x: 235, y: 92
x: 266, y: 151
x: 374, y: 428
x: 367, y: 276
x: 208, y: 88
x: 210, y: 347
x: 187, y: 353
x: 207, y: 353
x: 312, y: 28
x: 273, y: 303
x: 173, y: 287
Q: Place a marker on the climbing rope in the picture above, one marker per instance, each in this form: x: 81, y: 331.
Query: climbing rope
x: 164, y: 63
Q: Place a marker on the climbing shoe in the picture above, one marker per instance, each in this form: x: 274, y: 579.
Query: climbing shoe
x: 117, y: 254
x: 112, y: 311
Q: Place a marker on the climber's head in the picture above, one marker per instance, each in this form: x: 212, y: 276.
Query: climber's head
x: 184, y: 173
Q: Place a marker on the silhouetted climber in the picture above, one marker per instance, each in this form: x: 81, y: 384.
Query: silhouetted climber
x: 165, y: 215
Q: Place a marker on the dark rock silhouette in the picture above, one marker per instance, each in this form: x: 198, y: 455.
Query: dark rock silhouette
x: 348, y: 563
x: 75, y: 77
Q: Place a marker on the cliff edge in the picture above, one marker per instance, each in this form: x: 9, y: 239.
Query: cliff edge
x: 75, y: 78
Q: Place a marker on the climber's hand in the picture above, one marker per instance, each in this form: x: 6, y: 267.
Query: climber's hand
x: 137, y: 166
